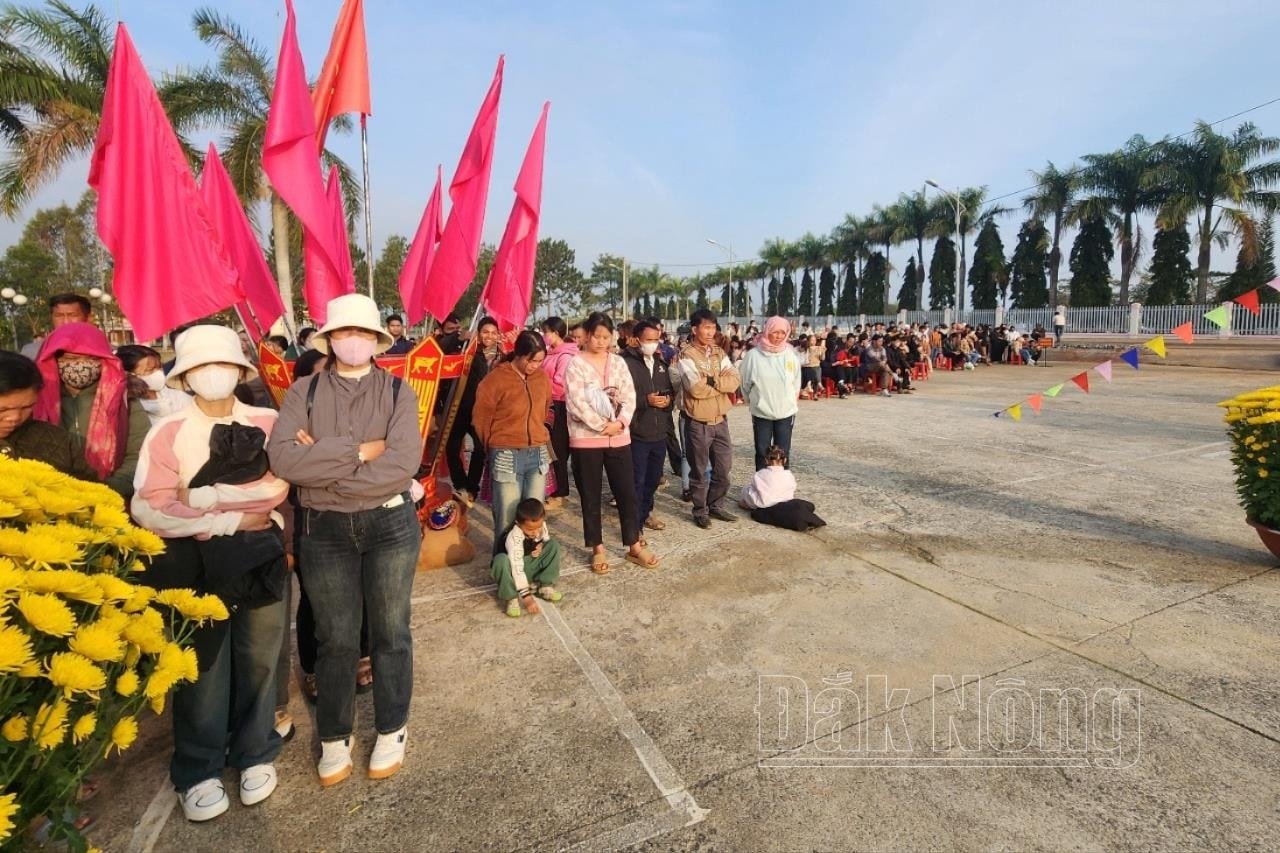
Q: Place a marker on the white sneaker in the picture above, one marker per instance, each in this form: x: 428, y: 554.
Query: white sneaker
x: 257, y: 783
x: 335, y: 761
x: 204, y: 800
x: 388, y: 754
x: 884, y: 393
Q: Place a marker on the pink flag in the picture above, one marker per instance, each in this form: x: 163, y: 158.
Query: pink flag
x: 1104, y: 370
x: 455, y: 261
x: 417, y: 263
x: 324, y: 282
x: 170, y: 266
x: 510, y: 284
x: 261, y: 306
x: 290, y: 160
x: 1274, y: 284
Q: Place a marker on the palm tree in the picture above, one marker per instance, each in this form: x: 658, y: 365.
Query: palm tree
x: 883, y: 229
x: 234, y: 94
x: 1055, y: 191
x: 1121, y: 186
x: 1211, y: 171
x: 53, y: 77
x: 811, y: 252
x: 917, y: 219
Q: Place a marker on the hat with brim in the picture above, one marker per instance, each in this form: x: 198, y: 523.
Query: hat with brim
x: 352, y: 311
x: 201, y: 345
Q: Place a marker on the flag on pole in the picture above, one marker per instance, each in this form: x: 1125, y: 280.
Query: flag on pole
x: 1035, y: 401
x: 455, y: 262
x: 1219, y: 316
x: 1185, y: 333
x: 1104, y: 370
x: 1130, y: 357
x: 1156, y: 345
x: 1082, y: 379
x: 510, y: 285
x: 261, y: 306
x: 170, y: 266
x: 1250, y: 301
x: 324, y: 281
x: 343, y: 86
x: 289, y: 158
x: 422, y: 252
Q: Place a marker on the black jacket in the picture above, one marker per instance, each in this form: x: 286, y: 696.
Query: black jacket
x: 648, y: 423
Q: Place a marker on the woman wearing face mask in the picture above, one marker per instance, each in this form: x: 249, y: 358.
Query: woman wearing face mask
x: 216, y: 511
x: 348, y: 437
x: 147, y: 382
x: 510, y: 417
x: 86, y: 393
x: 466, y: 479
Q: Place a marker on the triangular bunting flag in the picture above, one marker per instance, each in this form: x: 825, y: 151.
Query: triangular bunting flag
x: 1082, y: 379
x: 1054, y: 391
x: 1274, y: 284
x: 1104, y: 370
x: 1186, y: 333
x: 1130, y: 357
x: 1035, y: 401
x: 1015, y: 411
x: 1249, y: 300
x: 1219, y: 316
x: 1156, y: 345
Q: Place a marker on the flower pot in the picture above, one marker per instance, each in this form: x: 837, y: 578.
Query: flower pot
x: 1269, y: 536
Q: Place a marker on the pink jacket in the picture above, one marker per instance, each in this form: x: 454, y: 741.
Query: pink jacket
x: 555, y: 365
x: 585, y: 423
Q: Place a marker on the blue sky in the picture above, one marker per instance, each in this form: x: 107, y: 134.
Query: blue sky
x: 672, y: 122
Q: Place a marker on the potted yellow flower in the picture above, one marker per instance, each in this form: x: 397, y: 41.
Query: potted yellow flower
x: 84, y: 646
x: 1253, y: 422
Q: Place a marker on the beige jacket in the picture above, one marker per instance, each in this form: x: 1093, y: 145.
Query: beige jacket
x: 700, y: 401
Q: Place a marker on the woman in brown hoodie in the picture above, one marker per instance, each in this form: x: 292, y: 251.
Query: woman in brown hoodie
x: 510, y: 417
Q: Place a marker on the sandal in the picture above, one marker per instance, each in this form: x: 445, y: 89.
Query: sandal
x: 364, y: 676
x: 309, y: 686
x: 655, y: 523
x: 644, y: 558
x: 600, y: 562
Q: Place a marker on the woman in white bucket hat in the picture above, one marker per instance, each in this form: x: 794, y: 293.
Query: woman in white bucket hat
x: 348, y: 437
x: 216, y: 511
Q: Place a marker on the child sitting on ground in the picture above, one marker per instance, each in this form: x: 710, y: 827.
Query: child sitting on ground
x: 771, y: 496
x: 529, y: 563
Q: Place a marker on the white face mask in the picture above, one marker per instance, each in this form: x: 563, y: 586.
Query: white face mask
x: 154, y: 380
x: 151, y: 407
x: 214, y: 381
x: 355, y: 351
x: 648, y: 347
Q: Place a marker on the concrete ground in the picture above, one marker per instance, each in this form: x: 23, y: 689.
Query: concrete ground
x: 1054, y: 634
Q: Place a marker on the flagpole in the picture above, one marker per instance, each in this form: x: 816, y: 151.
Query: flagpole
x: 368, y: 213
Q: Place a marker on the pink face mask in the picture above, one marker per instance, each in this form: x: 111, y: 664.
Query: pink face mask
x: 354, y: 350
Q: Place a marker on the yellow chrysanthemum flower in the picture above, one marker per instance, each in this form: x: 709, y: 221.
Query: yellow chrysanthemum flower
x: 31, y: 669
x: 110, y: 518
x: 8, y: 808
x: 110, y: 614
x: 48, y: 549
x: 15, y: 728
x: 98, y: 641
x: 15, y: 649
x: 161, y: 682
x: 127, y: 683
x: 191, y: 664
x: 58, y: 503
x: 84, y: 727
x: 65, y: 582
x: 1262, y: 472
x: 48, y: 614
x: 13, y: 542
x: 213, y: 608
x: 123, y: 734
x: 146, y: 631
x: 157, y: 704
x: 50, y: 726
x: 114, y: 588
x: 141, y: 541
x: 141, y: 597
x: 12, y: 578
x: 75, y: 673
x: 8, y: 510
x: 185, y: 601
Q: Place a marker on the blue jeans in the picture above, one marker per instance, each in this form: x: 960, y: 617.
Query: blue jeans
x: 352, y: 559
x: 204, y: 739
x: 515, y: 475
x: 767, y: 432
x: 647, y: 457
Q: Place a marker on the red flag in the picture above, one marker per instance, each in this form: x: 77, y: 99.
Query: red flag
x: 289, y: 157
x: 1082, y: 379
x: 455, y: 261
x: 1249, y: 300
x: 262, y: 305
x: 1035, y: 401
x: 1185, y: 332
x: 417, y: 263
x: 510, y: 284
x: 323, y: 281
x: 170, y: 266
x: 343, y: 86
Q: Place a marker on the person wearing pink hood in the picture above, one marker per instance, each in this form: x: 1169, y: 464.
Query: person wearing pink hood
x: 86, y: 393
x: 560, y: 352
x: 771, y: 383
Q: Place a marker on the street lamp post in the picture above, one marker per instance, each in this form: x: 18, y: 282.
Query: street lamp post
x: 729, y: 249
x: 104, y: 299
x: 623, y: 267
x: 13, y: 300
x: 959, y: 207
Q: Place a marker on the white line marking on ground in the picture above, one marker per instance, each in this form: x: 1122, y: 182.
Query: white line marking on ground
x: 685, y: 811
x: 147, y: 831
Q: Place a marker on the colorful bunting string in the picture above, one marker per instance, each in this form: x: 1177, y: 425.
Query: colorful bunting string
x: 1219, y: 316
x: 1035, y: 401
x: 1250, y: 301
x: 1082, y: 379
x: 1185, y: 333
x: 1104, y: 370
x: 1015, y: 411
x: 1054, y: 391
x: 1156, y: 345
x: 1130, y: 357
